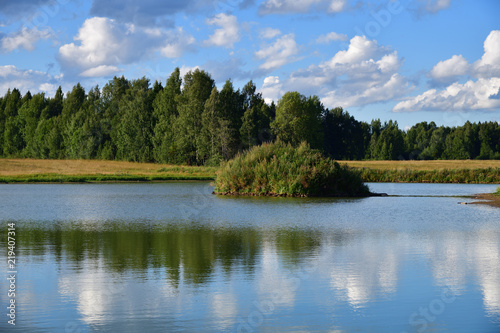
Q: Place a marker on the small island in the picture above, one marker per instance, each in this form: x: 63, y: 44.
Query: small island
x: 279, y: 169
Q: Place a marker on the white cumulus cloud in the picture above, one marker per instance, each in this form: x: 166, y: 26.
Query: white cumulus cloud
x: 25, y: 38
x: 304, y: 6
x: 452, y: 68
x: 481, y: 94
x: 177, y: 43
x: 360, y: 49
x: 364, y: 73
x: 103, y: 44
x: 489, y: 64
x: 332, y: 36
x: 336, y: 6
x: 472, y: 95
x: 269, y: 33
x: 103, y: 70
x: 271, y: 89
x: 24, y: 80
x: 227, y: 34
x: 281, y: 52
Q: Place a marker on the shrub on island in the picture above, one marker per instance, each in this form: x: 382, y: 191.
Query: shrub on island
x: 278, y: 169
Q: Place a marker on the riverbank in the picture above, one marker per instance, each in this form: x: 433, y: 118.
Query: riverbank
x: 490, y: 199
x: 441, y: 171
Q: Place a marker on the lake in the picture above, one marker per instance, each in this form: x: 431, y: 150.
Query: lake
x: 172, y: 257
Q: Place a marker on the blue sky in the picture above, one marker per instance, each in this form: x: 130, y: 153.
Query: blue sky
x: 410, y: 61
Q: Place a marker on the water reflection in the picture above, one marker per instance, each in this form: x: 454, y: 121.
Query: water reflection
x: 182, y: 274
x: 487, y: 259
x: 361, y: 269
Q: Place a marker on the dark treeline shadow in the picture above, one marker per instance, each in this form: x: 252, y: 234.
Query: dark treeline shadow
x: 195, y: 250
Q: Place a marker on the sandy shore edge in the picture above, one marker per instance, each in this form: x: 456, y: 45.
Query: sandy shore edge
x: 490, y: 199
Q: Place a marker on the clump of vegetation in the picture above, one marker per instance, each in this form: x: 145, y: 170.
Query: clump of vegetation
x: 498, y: 191
x: 462, y: 176
x: 279, y: 169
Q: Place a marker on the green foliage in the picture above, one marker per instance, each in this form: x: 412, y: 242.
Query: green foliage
x: 257, y: 118
x: 463, y: 176
x: 280, y: 169
x: 198, y: 86
x: 135, y: 130
x: 387, y: 142
x: 345, y: 137
x: 299, y: 119
x: 190, y: 121
x: 165, y: 112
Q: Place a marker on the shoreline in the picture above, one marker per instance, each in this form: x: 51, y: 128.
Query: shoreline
x: 279, y: 195
x: 96, y: 171
x: 96, y: 179
x: 490, y: 199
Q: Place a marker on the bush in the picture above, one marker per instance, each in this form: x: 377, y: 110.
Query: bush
x: 278, y: 169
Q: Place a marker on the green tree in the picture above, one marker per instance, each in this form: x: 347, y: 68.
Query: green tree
x: 165, y: 111
x: 11, y: 138
x: 198, y: 86
x: 344, y: 136
x: 299, y: 119
x: 111, y: 98
x: 231, y: 111
x: 389, y: 144
x: 29, y: 115
x: 54, y: 105
x: 136, y: 127
x: 211, y: 147
x: 435, y: 147
x: 257, y: 117
x: 83, y: 132
x: 48, y: 141
x: 71, y: 107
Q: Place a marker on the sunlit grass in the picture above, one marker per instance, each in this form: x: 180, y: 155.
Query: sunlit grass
x: 439, y: 171
x: 31, y: 170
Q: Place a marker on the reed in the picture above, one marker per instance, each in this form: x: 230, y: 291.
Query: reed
x: 463, y: 176
x: 278, y: 169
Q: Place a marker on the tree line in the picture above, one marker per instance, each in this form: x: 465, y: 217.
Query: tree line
x: 190, y: 121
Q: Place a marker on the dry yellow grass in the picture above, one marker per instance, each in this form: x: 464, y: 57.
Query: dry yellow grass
x: 19, y: 167
x: 425, y: 165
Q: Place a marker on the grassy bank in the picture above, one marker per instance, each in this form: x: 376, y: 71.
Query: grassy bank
x: 462, y: 176
x: 424, y: 165
x: 441, y: 171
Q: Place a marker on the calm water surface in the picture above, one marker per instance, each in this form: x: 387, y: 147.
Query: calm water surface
x: 172, y: 257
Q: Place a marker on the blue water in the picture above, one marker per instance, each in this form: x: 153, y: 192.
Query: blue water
x: 172, y: 257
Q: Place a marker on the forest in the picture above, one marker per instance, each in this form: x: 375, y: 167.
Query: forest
x: 189, y: 121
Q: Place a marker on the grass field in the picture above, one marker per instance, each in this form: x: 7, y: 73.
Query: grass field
x: 31, y: 170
